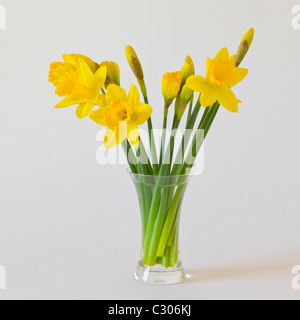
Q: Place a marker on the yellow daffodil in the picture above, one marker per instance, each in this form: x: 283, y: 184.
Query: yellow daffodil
x: 121, y: 114
x: 87, y: 89
x: 171, y: 86
x: 221, y: 76
x: 64, y: 75
x: 188, y: 69
x: 113, y: 73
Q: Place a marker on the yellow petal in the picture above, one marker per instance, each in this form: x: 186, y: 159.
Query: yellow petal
x: 133, y: 135
x: 88, y: 60
x: 99, y: 116
x: 133, y: 96
x: 223, y: 54
x: 196, y: 83
x: 101, y: 101
x: 69, y: 59
x: 209, y: 69
x: 112, y: 138
x: 84, y: 109
x: 54, y: 69
x: 142, y: 113
x: 85, y: 73
x: 207, y: 98
x: 115, y: 92
x: 68, y: 101
x: 100, y: 76
x: 227, y: 99
x: 233, y: 59
x: 82, y: 91
x: 73, y: 58
x: 240, y: 75
x: 208, y: 63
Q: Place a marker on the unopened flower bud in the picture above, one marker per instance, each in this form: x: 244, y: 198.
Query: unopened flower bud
x: 244, y: 46
x: 113, y: 73
x: 134, y: 63
x: 186, y: 94
x: 188, y: 69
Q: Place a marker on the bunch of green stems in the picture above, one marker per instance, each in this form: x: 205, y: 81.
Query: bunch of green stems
x: 160, y: 204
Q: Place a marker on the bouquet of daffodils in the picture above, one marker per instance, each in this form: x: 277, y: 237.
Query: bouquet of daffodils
x: 160, y: 172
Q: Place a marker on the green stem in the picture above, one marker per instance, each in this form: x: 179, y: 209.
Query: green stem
x: 150, y: 130
x: 174, y: 247
x: 199, y: 138
x: 190, y: 110
x: 164, y: 170
x: 185, y: 139
x: 166, y: 258
x: 151, y: 253
x: 205, y: 113
x: 169, y: 221
x: 144, y: 158
x: 153, y: 147
x: 163, y: 138
x: 171, y: 239
x: 144, y: 168
x: 130, y: 156
x: 205, y: 125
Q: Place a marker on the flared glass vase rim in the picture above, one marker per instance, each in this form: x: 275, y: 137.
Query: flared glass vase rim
x: 168, y: 180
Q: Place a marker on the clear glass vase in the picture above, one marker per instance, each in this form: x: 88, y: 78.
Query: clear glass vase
x: 160, y: 204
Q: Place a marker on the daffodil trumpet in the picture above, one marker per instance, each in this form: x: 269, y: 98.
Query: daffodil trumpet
x: 94, y: 88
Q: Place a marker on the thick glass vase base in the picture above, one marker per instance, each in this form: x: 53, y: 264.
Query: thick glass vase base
x: 159, y: 275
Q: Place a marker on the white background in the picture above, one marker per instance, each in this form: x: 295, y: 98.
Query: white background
x: 70, y: 229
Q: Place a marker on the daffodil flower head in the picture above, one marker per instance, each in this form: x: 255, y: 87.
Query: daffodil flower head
x: 113, y: 73
x: 64, y: 74
x: 87, y: 89
x: 221, y: 76
x: 171, y: 85
x: 122, y: 115
x: 66, y: 83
